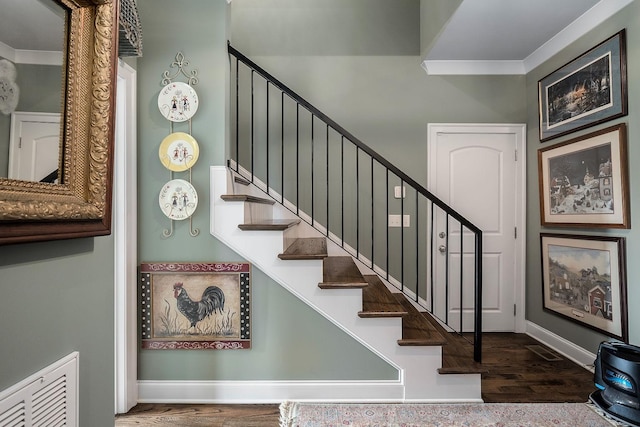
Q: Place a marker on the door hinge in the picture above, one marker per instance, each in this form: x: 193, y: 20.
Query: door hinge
x: 20, y: 142
x: 514, y: 309
x: 515, y: 232
x: 516, y: 155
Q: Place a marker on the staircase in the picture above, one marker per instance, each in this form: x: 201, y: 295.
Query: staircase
x: 347, y: 292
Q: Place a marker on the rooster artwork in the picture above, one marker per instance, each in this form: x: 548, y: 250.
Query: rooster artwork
x: 212, y: 301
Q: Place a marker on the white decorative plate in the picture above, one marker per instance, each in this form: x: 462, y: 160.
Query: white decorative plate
x: 178, y: 102
x: 179, y: 152
x: 178, y: 199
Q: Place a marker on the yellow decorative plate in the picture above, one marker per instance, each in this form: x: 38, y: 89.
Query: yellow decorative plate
x: 178, y: 102
x: 179, y: 152
x: 178, y: 199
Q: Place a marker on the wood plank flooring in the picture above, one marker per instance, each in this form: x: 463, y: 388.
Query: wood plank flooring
x: 514, y: 374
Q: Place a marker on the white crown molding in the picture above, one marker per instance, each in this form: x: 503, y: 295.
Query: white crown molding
x: 599, y: 13
x: 462, y: 67
x: 595, y: 16
x: 33, y: 57
x: 38, y: 57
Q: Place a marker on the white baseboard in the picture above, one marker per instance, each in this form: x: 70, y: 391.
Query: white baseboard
x: 568, y: 349
x: 257, y: 392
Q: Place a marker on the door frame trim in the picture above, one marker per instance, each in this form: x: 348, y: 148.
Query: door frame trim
x: 125, y: 242
x: 520, y: 131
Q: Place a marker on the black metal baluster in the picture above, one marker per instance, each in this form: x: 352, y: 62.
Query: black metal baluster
x: 373, y: 220
x: 267, y: 139
x: 312, y: 170
x: 432, y: 256
x: 342, y: 183
x: 477, y: 327
x: 357, y: 202
x: 386, y: 196
x: 252, y: 142
x: 297, y: 158
x: 417, y: 222
x: 282, y: 166
x: 401, y: 238
x: 446, y: 269
x: 237, y: 116
x: 461, y: 277
x: 328, y: 196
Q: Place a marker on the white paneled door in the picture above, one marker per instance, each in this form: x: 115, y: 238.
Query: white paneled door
x: 476, y: 170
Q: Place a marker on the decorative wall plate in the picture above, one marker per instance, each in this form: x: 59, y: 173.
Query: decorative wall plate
x: 178, y: 199
x: 179, y: 152
x: 178, y: 102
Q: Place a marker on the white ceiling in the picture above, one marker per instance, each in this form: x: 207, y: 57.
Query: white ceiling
x: 482, y: 36
x: 512, y: 36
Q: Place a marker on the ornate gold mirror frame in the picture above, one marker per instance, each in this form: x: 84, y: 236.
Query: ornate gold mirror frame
x: 80, y: 205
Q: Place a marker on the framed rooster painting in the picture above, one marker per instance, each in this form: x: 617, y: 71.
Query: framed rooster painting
x: 195, y: 305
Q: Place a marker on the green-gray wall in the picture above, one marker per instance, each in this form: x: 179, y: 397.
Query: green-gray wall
x: 387, y: 101
x: 57, y: 297
x: 289, y: 340
x: 585, y: 338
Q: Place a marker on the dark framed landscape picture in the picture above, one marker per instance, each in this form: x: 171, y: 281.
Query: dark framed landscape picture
x: 584, y: 280
x: 194, y: 305
x: 589, y: 90
x: 584, y: 181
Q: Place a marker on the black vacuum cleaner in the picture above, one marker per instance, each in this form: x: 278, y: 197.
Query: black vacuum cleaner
x: 617, y: 377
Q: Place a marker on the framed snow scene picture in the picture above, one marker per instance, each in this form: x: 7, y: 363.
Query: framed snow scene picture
x: 195, y: 305
x: 589, y: 90
x: 584, y: 181
x: 584, y: 280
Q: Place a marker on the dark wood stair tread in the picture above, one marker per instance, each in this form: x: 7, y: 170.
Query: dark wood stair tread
x: 378, y: 301
x: 457, y: 354
x: 341, y: 272
x: 306, y: 248
x: 270, y: 225
x: 416, y: 329
x: 246, y: 198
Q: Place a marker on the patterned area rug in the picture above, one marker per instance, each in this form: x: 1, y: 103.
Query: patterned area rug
x: 295, y: 414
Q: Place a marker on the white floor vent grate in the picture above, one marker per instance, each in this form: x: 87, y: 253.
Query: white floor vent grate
x: 47, y: 398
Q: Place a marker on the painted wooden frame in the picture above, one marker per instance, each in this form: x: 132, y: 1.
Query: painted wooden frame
x: 584, y: 181
x: 584, y: 280
x: 589, y: 90
x: 195, y: 305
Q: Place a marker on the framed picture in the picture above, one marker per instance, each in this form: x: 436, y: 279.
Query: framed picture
x: 195, y: 305
x: 584, y: 280
x: 584, y: 181
x: 590, y: 89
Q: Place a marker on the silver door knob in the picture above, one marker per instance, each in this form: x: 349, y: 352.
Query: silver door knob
x: 442, y: 234
x: 442, y: 248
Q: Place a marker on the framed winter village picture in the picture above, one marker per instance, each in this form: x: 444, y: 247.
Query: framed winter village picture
x: 584, y: 280
x: 195, y: 305
x: 589, y: 90
x: 584, y: 181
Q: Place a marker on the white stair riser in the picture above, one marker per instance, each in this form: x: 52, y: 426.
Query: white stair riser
x: 417, y: 365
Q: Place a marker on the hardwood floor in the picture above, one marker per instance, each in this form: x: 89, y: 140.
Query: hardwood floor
x: 515, y: 373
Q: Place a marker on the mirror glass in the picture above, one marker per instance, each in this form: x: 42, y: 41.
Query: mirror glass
x: 32, y: 46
